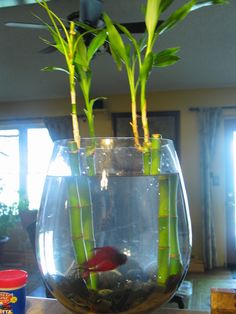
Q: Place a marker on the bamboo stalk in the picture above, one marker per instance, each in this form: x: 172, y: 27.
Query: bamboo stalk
x: 164, y: 211
x: 76, y: 222
x: 87, y: 221
x: 81, y: 217
x: 169, y: 259
x: 155, y: 154
x: 176, y: 266
x: 151, y: 156
x: 163, y: 231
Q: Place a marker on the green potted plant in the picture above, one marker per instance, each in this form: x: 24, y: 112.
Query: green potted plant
x: 9, y: 218
x: 113, y: 230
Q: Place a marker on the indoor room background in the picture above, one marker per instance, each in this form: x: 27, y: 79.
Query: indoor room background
x: 204, y: 77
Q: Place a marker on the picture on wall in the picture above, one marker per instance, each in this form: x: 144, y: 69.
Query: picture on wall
x: 166, y: 123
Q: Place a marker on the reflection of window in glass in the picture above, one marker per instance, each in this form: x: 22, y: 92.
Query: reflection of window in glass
x: 39, y: 153
x: 24, y: 158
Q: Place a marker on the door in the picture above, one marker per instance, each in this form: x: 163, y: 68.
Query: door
x: 230, y: 167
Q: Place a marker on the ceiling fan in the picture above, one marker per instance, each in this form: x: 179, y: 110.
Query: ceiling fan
x: 90, y: 12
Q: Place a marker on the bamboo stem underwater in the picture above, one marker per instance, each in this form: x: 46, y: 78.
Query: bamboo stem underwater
x: 169, y: 259
x: 176, y: 265
x: 81, y: 214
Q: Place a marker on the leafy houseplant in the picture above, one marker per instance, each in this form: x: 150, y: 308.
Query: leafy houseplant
x: 94, y: 201
x: 8, y: 219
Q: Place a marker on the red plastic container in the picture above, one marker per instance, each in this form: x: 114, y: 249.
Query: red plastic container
x: 12, y: 291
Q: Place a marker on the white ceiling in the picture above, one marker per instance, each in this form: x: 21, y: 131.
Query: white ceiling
x: 208, y: 52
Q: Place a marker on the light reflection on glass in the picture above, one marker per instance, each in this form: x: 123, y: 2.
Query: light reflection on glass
x: 104, y: 180
x: 107, y: 143
x: 47, y: 260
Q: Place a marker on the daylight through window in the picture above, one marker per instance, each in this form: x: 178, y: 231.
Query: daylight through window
x: 24, y: 157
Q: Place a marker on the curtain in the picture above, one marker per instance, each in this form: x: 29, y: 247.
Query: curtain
x: 209, y: 122
x: 59, y: 127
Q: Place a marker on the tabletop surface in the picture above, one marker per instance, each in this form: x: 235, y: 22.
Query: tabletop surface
x: 51, y: 306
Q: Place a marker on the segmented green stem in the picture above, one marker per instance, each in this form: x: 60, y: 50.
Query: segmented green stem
x: 155, y: 154
x: 143, y: 105
x: 163, y: 231
x: 134, y: 123
x: 169, y: 259
x: 176, y: 266
x: 81, y: 216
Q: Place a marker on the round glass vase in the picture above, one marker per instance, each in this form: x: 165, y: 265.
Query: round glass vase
x: 113, y: 232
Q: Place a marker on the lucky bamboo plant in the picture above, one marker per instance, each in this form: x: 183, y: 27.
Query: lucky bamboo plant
x: 71, y: 43
x: 139, y: 58
x: 78, y: 59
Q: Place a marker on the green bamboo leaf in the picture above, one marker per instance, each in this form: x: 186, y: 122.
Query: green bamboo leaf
x: 77, y: 72
x: 166, y: 57
x: 129, y: 35
x: 86, y: 112
x: 142, y: 43
x: 165, y: 62
x: 128, y: 49
x: 92, y: 101
x: 176, y: 17
x: 46, y: 41
x: 53, y: 68
x: 203, y: 3
x: 81, y: 52
x: 165, y: 4
x: 54, y: 30
x: 49, y: 27
x: 96, y: 43
x: 86, y: 27
x: 146, y: 67
x: 116, y: 58
x: 60, y: 44
x: 115, y: 39
x: 165, y: 54
x: 152, y: 16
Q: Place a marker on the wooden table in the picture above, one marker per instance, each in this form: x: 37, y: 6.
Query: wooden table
x: 51, y: 306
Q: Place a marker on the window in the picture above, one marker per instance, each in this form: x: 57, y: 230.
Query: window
x: 25, y: 151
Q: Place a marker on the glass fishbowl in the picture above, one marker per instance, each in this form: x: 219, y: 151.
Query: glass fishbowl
x: 113, y: 232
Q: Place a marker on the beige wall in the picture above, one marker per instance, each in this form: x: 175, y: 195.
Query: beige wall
x: 189, y: 146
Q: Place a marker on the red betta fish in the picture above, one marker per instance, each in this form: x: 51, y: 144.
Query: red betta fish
x: 104, y: 259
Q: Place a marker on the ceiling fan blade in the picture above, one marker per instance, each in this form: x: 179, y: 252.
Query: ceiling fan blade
x: 14, y: 3
x: 25, y: 25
